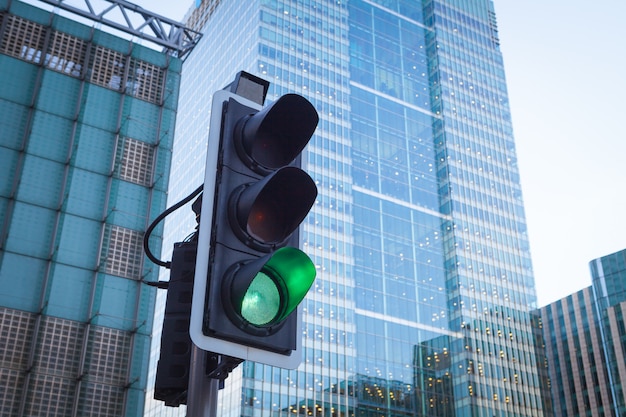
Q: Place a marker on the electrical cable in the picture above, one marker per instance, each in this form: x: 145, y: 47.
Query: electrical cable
x: 156, y: 221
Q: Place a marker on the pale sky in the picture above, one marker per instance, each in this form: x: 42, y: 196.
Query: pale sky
x: 565, y: 64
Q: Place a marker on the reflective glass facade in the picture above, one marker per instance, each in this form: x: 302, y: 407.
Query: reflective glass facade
x: 609, y: 284
x: 422, y: 302
x: 86, y: 129
x: 576, y: 380
x: 582, y: 338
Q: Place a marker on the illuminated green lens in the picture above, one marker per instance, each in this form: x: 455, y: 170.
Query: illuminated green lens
x: 296, y: 273
x: 267, y: 290
x: 261, y: 302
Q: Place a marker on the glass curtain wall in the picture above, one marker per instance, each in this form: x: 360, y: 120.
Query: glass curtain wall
x: 421, y: 304
x: 609, y: 287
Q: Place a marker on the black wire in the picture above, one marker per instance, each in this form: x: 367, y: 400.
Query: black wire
x: 159, y: 284
x: 159, y: 218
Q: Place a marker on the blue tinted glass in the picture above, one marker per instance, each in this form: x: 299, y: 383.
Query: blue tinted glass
x: 31, y: 230
x: 79, y: 241
x: 87, y: 196
x: 115, y: 299
x: 69, y: 291
x: 21, y: 281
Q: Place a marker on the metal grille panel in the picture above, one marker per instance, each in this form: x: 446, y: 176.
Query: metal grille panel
x: 123, y: 252
x: 15, y: 337
x: 59, y: 347
x: 23, y: 39
x: 137, y: 162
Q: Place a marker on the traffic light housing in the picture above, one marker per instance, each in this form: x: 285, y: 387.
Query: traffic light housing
x: 172, y: 375
x: 256, y: 277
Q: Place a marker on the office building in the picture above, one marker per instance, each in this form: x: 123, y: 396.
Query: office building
x: 422, y: 302
x: 86, y: 130
x: 583, y: 336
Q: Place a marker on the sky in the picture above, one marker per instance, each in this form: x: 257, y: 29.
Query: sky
x: 565, y: 63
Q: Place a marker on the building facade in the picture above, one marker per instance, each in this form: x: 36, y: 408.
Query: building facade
x: 584, y: 337
x: 608, y: 275
x: 422, y: 302
x: 86, y: 130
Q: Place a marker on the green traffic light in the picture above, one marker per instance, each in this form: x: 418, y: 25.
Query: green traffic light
x: 261, y: 302
x: 255, y: 276
x: 279, y: 284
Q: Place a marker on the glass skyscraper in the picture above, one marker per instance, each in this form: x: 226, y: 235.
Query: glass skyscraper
x: 608, y: 275
x: 422, y: 302
x: 86, y: 130
x: 576, y: 380
x: 583, y: 337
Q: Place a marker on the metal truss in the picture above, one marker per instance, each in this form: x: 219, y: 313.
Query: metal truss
x: 177, y: 39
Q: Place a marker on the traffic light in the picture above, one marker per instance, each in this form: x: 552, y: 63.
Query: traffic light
x: 172, y: 376
x: 256, y: 276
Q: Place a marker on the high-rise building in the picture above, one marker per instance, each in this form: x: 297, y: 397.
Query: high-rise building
x: 86, y: 130
x: 584, y: 338
x: 422, y: 302
x: 608, y: 275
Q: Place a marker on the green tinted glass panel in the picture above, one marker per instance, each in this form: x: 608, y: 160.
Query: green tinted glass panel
x: 41, y: 182
x: 100, y: 107
x: 95, y: 149
x: 13, y: 119
x: 50, y: 137
x: 59, y: 94
x: 143, y: 123
x: 31, y: 231
x: 115, y: 300
x: 69, y: 283
x: 87, y: 194
x: 18, y: 80
x: 8, y: 167
x: 21, y: 280
x: 78, y: 241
